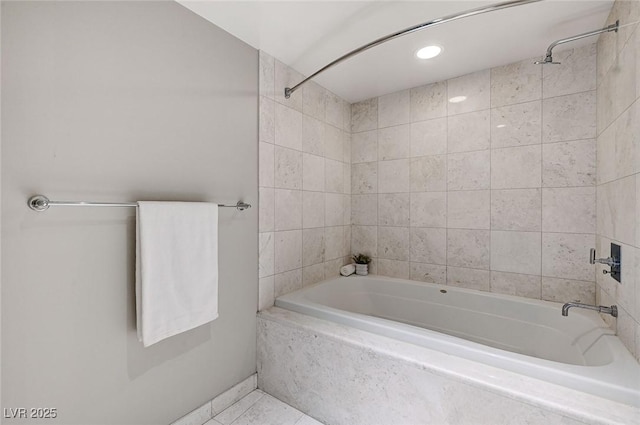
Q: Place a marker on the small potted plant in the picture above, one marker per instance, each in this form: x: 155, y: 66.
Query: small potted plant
x: 362, y: 264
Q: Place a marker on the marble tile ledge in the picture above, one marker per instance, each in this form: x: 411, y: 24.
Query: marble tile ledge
x: 564, y: 401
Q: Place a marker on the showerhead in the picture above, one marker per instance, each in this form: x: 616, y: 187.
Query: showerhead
x: 548, y: 60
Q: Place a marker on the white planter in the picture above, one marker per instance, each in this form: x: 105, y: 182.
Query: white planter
x: 362, y: 269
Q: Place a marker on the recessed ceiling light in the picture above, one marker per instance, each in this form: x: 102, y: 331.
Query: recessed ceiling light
x: 458, y: 99
x: 501, y: 126
x: 429, y: 52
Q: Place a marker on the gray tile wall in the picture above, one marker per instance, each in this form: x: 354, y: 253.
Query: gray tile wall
x: 304, y: 180
x: 618, y: 178
x: 496, y: 192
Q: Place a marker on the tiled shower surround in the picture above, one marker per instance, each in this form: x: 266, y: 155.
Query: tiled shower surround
x: 495, y: 192
x: 304, y: 180
x: 618, y: 175
x: 498, y: 192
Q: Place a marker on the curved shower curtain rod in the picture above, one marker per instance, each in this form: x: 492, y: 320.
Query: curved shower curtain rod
x: 415, y: 28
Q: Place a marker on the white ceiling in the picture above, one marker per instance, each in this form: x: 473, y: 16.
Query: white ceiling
x: 307, y: 35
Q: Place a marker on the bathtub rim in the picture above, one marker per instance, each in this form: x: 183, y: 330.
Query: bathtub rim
x: 498, y: 295
x: 556, y: 398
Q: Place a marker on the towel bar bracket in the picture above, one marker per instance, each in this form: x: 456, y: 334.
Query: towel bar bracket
x: 38, y: 203
x: 42, y: 203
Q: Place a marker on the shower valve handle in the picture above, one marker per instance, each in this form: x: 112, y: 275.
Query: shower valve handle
x: 609, y: 261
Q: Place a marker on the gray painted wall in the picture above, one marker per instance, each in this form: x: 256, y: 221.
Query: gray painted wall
x: 119, y: 101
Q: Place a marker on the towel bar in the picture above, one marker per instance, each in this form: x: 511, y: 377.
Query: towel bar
x: 42, y: 203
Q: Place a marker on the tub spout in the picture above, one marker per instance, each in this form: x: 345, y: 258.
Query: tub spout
x: 613, y: 310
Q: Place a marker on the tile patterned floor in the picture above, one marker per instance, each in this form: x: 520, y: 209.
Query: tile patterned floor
x: 259, y: 408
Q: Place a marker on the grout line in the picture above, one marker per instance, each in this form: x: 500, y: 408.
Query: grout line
x: 569, y: 94
x: 588, y: 139
x: 615, y: 119
x: 542, y: 176
x: 411, y: 156
x: 273, y: 265
x: 244, y: 411
x: 542, y: 107
x: 595, y: 269
x: 490, y: 175
x: 446, y: 196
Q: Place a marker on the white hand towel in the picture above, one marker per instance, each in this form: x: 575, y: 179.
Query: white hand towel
x: 176, y: 268
x: 348, y: 270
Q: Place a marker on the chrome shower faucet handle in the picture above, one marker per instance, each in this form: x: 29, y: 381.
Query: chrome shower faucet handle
x: 609, y: 261
x: 614, y: 261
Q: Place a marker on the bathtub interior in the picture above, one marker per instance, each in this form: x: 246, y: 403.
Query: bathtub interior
x: 530, y: 328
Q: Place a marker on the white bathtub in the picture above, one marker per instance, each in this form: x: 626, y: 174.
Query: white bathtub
x: 529, y: 337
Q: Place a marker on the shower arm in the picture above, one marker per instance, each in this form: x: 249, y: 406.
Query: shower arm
x: 549, y: 58
x: 466, y: 14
